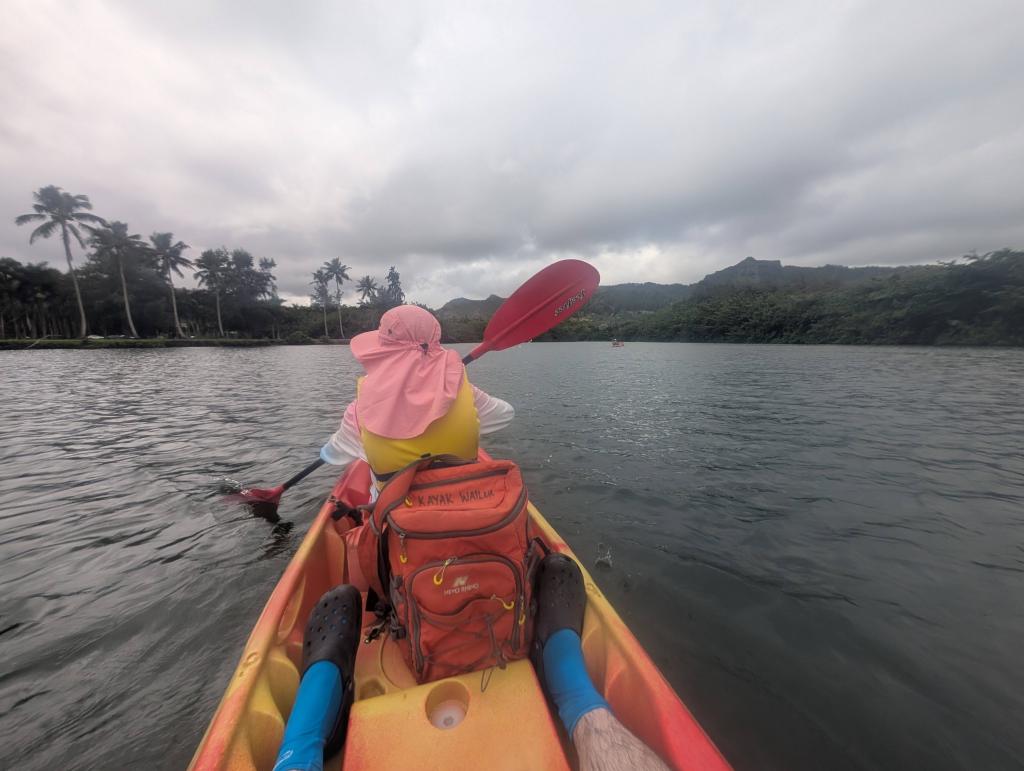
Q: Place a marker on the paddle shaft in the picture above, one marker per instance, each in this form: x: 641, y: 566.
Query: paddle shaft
x: 303, y: 474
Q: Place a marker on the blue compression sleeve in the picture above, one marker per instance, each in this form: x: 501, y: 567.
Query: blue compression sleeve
x: 567, y: 678
x: 312, y: 719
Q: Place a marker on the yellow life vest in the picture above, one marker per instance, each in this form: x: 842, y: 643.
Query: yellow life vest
x: 457, y: 433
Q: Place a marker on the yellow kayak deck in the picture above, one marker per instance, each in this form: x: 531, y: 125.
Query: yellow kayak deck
x: 507, y: 722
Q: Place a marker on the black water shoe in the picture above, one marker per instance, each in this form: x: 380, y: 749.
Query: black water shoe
x: 561, y: 603
x: 332, y: 634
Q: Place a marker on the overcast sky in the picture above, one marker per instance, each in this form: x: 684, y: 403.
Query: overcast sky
x: 470, y: 143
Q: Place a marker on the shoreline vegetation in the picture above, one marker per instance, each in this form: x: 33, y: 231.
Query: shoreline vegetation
x: 975, y: 301
x: 978, y: 301
x: 162, y: 342
x: 141, y: 342
x: 124, y: 293
x: 124, y: 287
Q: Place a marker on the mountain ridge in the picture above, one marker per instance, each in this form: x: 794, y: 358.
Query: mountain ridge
x: 649, y: 296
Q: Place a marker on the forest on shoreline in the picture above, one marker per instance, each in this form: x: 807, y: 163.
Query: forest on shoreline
x: 124, y: 292
x: 978, y: 300
x: 125, y: 287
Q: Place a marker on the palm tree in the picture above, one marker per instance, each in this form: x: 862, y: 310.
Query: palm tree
x: 339, y: 273
x: 116, y: 244
x: 367, y: 288
x: 169, y: 258
x: 212, y: 270
x: 395, y: 295
x: 321, y: 294
x: 62, y: 210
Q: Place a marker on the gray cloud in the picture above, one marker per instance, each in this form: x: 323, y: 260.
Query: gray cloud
x: 469, y: 144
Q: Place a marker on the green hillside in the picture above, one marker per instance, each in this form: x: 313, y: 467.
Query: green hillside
x: 979, y: 301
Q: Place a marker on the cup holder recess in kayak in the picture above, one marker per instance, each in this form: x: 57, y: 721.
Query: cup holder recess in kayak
x: 447, y: 704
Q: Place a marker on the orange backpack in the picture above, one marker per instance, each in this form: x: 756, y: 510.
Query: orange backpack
x: 453, y: 562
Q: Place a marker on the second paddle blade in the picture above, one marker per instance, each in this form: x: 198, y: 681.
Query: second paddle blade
x: 546, y: 300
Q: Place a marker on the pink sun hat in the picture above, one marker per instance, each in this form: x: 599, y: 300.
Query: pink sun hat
x: 411, y: 380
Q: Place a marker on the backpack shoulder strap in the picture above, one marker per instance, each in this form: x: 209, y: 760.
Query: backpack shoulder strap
x: 394, y: 491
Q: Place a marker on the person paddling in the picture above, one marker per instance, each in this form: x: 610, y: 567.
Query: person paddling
x: 414, y: 400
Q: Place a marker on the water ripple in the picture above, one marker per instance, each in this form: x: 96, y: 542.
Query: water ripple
x: 821, y: 547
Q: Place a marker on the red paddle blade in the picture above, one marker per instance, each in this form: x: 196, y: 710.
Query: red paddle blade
x: 256, y: 495
x: 545, y: 301
x: 261, y: 502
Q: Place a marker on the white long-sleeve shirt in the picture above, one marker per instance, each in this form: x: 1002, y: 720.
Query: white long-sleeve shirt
x: 346, y: 445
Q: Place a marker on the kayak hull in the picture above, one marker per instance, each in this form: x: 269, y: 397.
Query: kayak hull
x: 502, y: 720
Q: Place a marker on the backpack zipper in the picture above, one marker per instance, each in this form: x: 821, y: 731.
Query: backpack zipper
x: 468, y: 478
x: 440, y: 483
x: 510, y: 517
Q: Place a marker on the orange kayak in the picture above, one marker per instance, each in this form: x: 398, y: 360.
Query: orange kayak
x: 507, y: 723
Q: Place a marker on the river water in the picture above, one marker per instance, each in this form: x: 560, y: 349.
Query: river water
x: 822, y: 547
